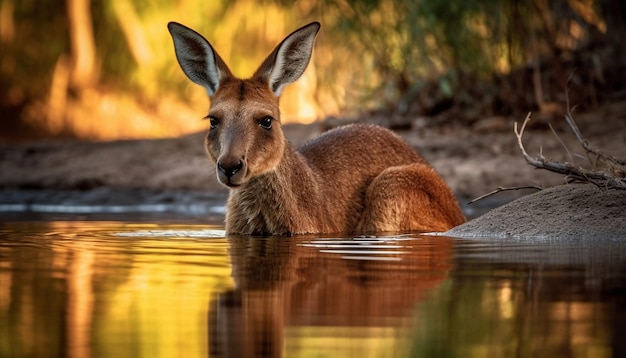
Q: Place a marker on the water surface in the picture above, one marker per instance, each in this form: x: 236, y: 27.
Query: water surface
x: 144, y: 289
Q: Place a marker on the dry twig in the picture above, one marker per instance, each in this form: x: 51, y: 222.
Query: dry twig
x: 501, y: 189
x: 585, y: 144
x: 600, y: 177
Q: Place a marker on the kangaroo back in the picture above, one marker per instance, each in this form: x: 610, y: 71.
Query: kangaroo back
x: 355, y: 178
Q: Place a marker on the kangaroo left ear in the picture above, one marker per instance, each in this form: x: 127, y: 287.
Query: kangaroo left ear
x: 197, y: 58
x: 289, y: 59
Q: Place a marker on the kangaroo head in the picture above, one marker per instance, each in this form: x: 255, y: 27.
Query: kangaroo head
x: 245, y: 139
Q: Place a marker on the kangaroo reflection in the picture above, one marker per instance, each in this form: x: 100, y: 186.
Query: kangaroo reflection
x: 282, y: 283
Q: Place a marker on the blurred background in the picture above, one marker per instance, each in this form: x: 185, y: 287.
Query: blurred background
x: 106, y: 70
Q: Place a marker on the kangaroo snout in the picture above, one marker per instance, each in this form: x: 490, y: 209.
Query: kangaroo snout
x: 231, y: 171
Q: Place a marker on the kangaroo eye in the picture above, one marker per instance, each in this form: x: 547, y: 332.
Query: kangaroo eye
x: 214, y: 121
x: 266, y: 122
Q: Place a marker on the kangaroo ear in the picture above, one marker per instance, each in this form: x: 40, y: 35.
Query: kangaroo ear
x: 289, y: 59
x: 197, y: 58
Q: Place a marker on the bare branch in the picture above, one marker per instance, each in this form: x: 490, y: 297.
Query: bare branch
x: 573, y: 172
x: 501, y: 189
x: 569, y: 118
x: 540, y: 161
x: 585, y: 144
x: 569, y: 154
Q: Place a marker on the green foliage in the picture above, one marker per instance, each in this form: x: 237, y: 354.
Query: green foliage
x: 412, y: 41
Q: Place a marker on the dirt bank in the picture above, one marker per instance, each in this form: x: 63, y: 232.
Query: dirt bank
x: 567, y: 212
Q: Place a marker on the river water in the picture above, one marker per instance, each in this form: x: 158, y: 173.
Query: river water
x: 136, y: 287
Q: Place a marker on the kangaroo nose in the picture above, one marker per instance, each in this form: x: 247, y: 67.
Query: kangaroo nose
x: 229, y: 169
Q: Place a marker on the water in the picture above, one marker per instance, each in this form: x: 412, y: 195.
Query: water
x: 180, y: 289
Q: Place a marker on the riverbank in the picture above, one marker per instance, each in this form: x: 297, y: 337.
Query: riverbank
x: 473, y: 161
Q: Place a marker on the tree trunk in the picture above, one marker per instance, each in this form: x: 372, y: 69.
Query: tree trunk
x: 614, y: 13
x: 83, y: 72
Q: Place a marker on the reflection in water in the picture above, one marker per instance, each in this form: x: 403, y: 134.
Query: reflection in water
x: 83, y: 289
x: 294, y: 297
x: 545, y: 300
x: 75, y: 289
x: 80, y: 300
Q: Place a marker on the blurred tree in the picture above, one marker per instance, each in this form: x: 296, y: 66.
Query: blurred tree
x: 107, y: 69
x: 84, y: 72
x: 614, y: 14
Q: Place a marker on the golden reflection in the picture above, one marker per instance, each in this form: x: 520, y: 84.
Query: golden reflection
x: 80, y: 300
x: 5, y: 285
x: 505, y: 301
x: 585, y: 315
x: 161, y: 306
x: 27, y: 320
x: 347, y: 341
x: 92, y: 294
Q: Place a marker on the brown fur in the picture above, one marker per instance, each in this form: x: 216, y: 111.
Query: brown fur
x: 352, y: 179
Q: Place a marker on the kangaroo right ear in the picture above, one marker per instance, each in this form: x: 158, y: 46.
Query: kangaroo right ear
x: 197, y: 58
x: 289, y: 59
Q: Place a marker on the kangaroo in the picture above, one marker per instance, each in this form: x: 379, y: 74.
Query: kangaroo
x: 351, y: 179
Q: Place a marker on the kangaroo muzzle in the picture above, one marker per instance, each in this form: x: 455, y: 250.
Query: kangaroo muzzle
x: 231, y: 171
